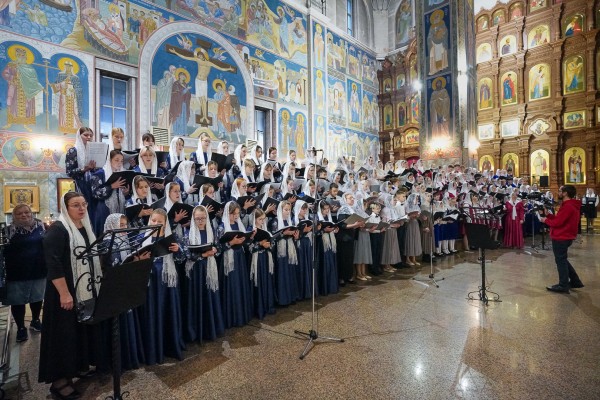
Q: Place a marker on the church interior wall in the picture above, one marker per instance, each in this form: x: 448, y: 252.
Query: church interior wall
x: 267, y: 60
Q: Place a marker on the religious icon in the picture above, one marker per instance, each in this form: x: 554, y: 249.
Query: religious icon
x: 574, y: 119
x: 573, y: 25
x: 484, y: 52
x: 535, y: 5
x: 510, y: 162
x: 16, y: 194
x: 486, y: 163
x: 319, y: 46
x: 516, y: 11
x: 401, y: 114
x: 354, y: 104
x: 540, y: 164
x: 538, y: 35
x: 400, y: 81
x: 22, y: 155
x: 63, y: 185
x: 507, y: 45
x: 498, y: 17
x: 437, y: 41
x: 485, y: 131
x: 403, y: 22
x: 387, y: 85
x: 574, y: 71
x: 539, y: 82
x: 574, y: 160
x: 415, y: 104
x: 320, y: 91
x: 539, y: 127
x: 509, y: 86
x: 510, y: 128
x: 485, y: 94
x: 483, y: 23
x: 439, y: 109
x: 387, y: 117
x: 411, y: 137
x: 68, y: 96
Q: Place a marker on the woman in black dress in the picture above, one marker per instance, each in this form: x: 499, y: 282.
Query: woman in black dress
x: 25, y: 269
x: 68, y: 347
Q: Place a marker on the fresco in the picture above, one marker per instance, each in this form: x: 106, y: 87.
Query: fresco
x: 318, y: 45
x: 430, y: 4
x: 337, y: 52
x: 198, y: 86
x: 319, y: 88
x: 42, y: 94
x: 438, y: 41
x: 32, y: 152
x: 370, y: 111
x: 404, y: 22
x: 292, y: 132
x: 439, y: 93
x: 320, y: 129
x: 354, y: 103
x: 346, y: 142
x: 336, y: 100
x: 369, y: 70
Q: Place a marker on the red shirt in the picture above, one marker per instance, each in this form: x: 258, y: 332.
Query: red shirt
x: 564, y: 225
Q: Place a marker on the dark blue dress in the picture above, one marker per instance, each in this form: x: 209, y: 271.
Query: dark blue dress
x: 161, y: 324
x: 286, y: 279
x: 81, y: 178
x: 100, y: 194
x: 235, y: 292
x: 328, y: 282
x: 263, y: 286
x: 305, y: 263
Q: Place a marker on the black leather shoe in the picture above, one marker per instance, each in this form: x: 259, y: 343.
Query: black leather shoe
x: 558, y: 289
x: 576, y: 285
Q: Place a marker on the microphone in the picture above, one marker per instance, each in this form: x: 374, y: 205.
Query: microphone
x: 313, y: 149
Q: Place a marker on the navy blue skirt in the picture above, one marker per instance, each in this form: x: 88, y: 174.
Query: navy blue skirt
x: 237, y: 297
x: 286, y: 286
x: 304, y: 270
x: 263, y: 290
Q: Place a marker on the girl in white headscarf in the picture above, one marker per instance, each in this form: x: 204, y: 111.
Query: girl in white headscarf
x: 304, y: 251
x: 289, y: 171
x: 162, y: 332
x: 112, y: 198
x: 141, y: 194
x: 203, y: 153
x: 78, y: 167
x: 261, y: 267
x: 412, y: 244
x: 172, y: 196
x: 345, y: 239
x: 287, y: 257
x: 237, y: 296
x: 362, y: 244
x: 223, y: 148
x: 326, y: 249
x: 257, y: 156
x: 64, y: 338
x: 185, y: 179
x: 204, y: 311
x: 176, y: 152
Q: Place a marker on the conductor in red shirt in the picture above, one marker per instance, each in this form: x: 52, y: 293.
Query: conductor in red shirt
x: 563, y: 230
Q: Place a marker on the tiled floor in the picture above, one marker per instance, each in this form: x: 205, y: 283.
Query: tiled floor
x: 403, y: 340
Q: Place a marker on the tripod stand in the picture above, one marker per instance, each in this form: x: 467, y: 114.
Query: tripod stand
x: 479, y: 236
x: 124, y: 287
x: 313, y: 333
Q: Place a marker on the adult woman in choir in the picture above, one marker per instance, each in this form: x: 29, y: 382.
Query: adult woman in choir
x: 513, y: 221
x: 304, y: 251
x: 261, y: 267
x: 236, y: 294
x: 327, y: 251
x: 111, y: 198
x: 185, y: 179
x: 427, y: 230
x: 67, y: 347
x: 25, y: 269
x: 78, y: 166
x: 376, y: 238
x: 132, y: 351
x: 286, y: 285
x: 345, y: 239
x: 176, y: 152
x: 148, y: 164
x: 203, y: 308
x: 589, y: 207
x: 203, y: 153
x: 161, y: 314
x: 362, y: 244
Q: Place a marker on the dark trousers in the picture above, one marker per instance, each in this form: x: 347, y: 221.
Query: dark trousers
x: 566, y: 272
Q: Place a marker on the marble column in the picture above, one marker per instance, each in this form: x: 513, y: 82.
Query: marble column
x: 446, y: 40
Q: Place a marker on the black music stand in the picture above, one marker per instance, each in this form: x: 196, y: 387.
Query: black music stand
x: 123, y: 287
x: 479, y: 236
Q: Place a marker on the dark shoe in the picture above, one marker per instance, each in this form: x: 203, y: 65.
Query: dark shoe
x: 22, y: 335
x: 86, y: 374
x: 36, y: 325
x: 576, y: 285
x: 57, y: 393
x: 342, y: 283
x: 352, y: 281
x: 558, y: 289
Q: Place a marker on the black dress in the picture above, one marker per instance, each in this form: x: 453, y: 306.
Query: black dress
x: 67, y: 347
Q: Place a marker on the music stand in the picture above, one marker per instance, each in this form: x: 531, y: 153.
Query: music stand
x: 124, y: 287
x: 479, y: 236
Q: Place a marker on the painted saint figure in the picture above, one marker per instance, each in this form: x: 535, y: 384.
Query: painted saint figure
x: 538, y: 82
x: 439, y: 106
x: 485, y: 95
x: 179, y: 109
x: 539, y: 165
x: 23, y: 87
x: 508, y: 86
x: 575, y: 168
x: 68, y: 94
x: 354, y: 105
x: 437, y: 38
x: 163, y: 97
x: 574, y: 75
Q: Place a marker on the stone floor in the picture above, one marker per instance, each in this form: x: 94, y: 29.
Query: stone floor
x: 403, y: 340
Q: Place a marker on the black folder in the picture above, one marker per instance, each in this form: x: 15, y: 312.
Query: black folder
x: 261, y: 235
x: 162, y: 156
x: 257, y: 185
x: 126, y: 175
x: 160, y: 203
x: 229, y: 161
x: 220, y: 159
x: 177, y: 207
x: 270, y: 201
x: 308, y: 199
x: 200, y: 249
x: 207, y: 201
x: 200, y: 180
x: 241, y: 200
x: 304, y: 223
x: 229, y: 236
x: 132, y: 211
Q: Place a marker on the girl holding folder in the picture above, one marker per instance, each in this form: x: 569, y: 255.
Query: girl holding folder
x: 261, y: 266
x: 327, y: 249
x: 287, y: 256
x: 111, y: 198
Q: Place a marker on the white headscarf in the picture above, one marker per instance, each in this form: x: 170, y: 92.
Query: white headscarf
x: 80, y: 267
x: 329, y: 242
x: 168, y: 202
x: 174, y: 158
x: 297, y: 207
x: 169, y: 272
x: 245, y: 176
x: 113, y: 221
x: 134, y: 196
x: 412, y: 204
x: 184, y: 174
x: 237, y: 154
x: 116, y: 199
x: 254, y: 262
x: 220, y: 149
x: 286, y: 246
x: 307, y: 169
x: 235, y: 190
x: 253, y: 157
x: 154, y: 167
x: 345, y: 209
x: 286, y: 171
x: 306, y: 188
x: 261, y: 174
x: 212, y: 276
x: 81, y: 151
x: 228, y: 256
x: 200, y: 153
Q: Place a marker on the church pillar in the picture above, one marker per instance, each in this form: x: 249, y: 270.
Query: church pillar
x: 556, y: 28
x: 519, y: 23
x: 446, y: 40
x: 521, y: 78
x: 497, y: 86
x: 590, y: 170
x: 555, y: 168
x: 556, y: 84
x: 590, y: 62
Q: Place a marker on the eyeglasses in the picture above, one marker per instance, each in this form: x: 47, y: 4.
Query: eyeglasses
x: 78, y: 205
x: 200, y: 219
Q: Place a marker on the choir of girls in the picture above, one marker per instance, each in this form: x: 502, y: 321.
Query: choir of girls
x: 257, y: 243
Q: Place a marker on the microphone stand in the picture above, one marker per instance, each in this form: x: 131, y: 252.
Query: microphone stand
x: 313, y: 333
x: 430, y: 280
